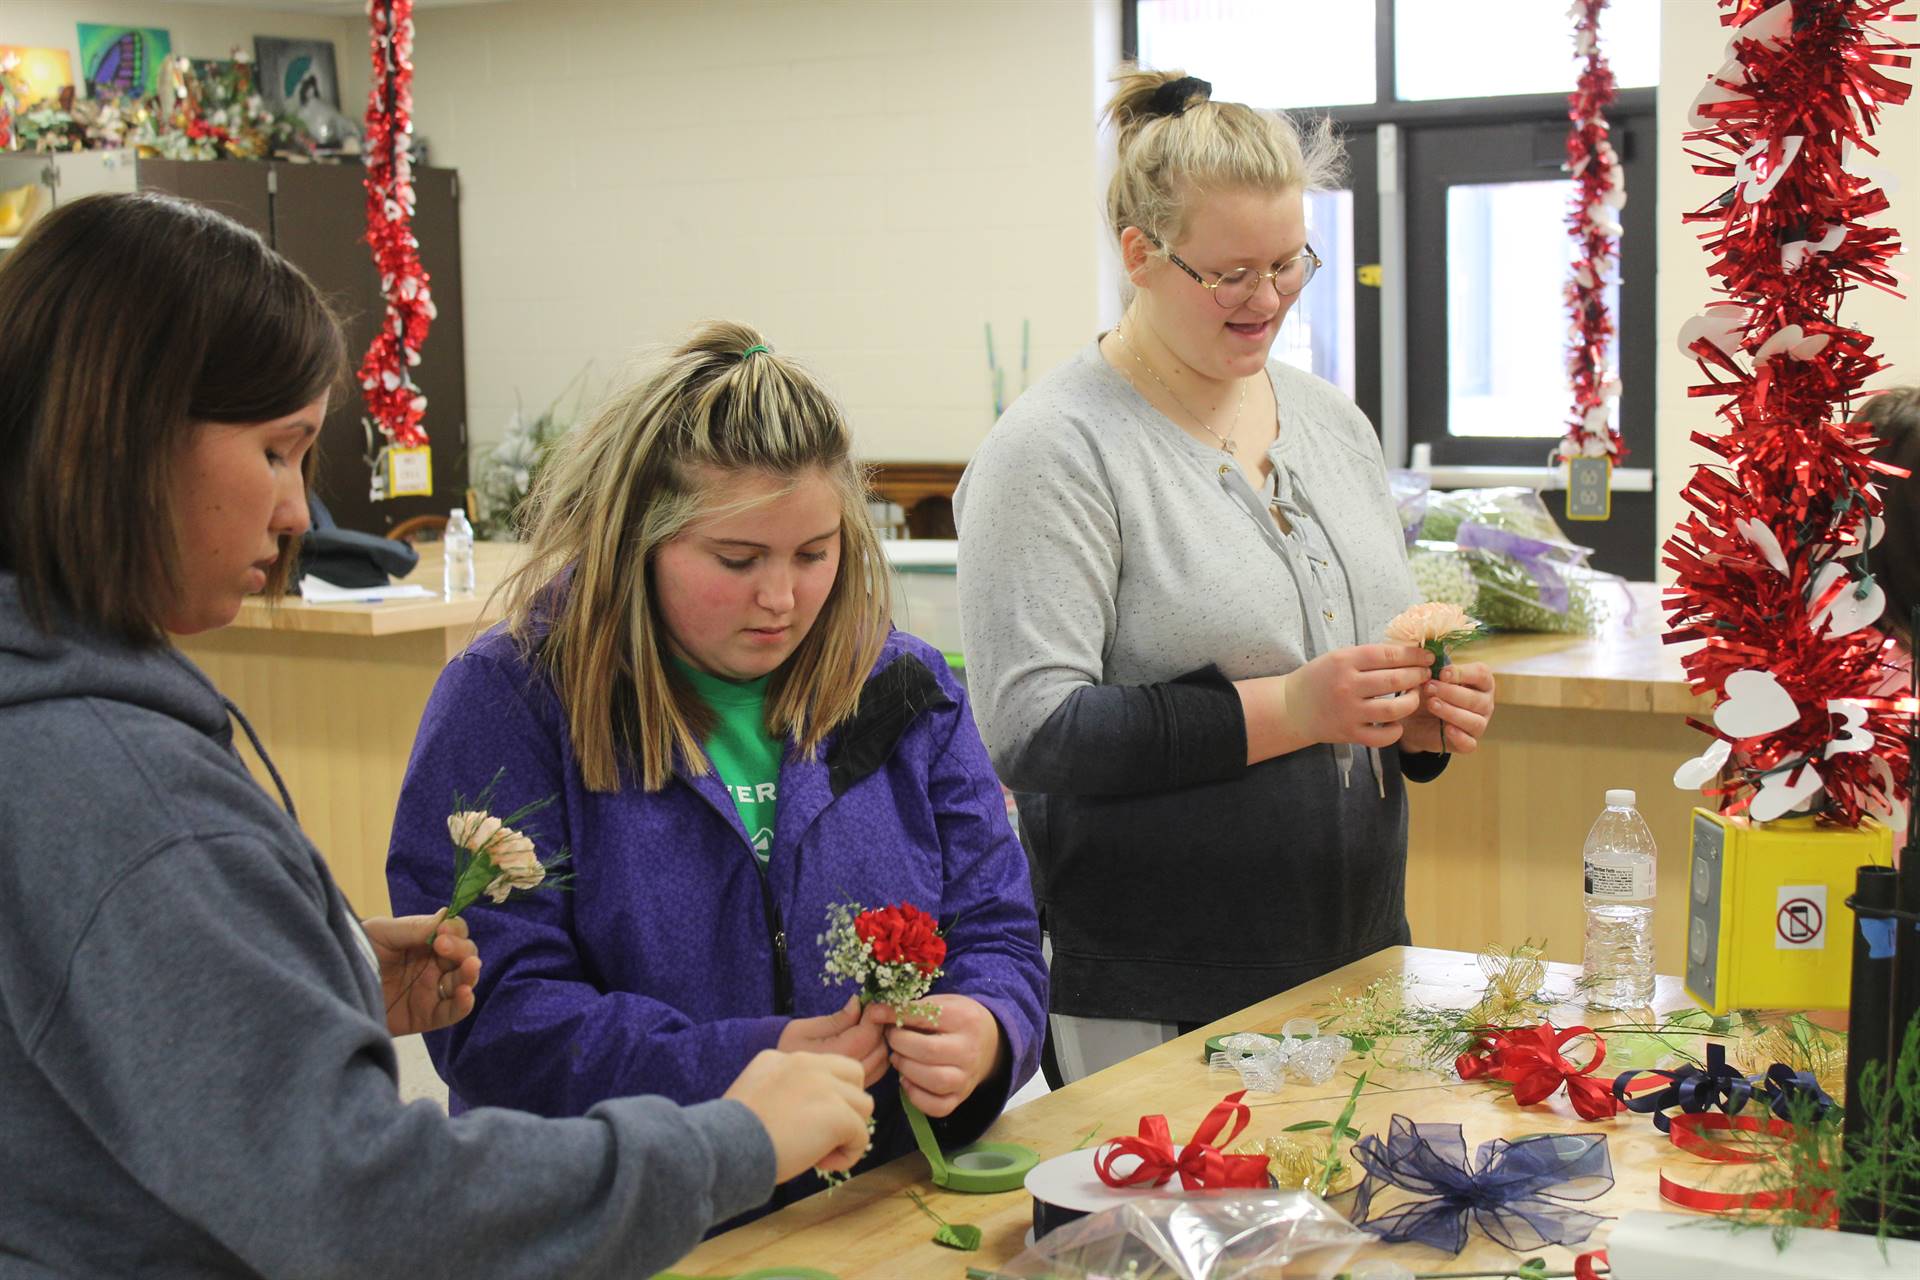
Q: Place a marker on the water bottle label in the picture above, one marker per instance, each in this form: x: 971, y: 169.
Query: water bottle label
x: 1629, y: 884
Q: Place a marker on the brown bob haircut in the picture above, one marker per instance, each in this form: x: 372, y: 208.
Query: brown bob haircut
x: 125, y: 321
x: 1894, y: 416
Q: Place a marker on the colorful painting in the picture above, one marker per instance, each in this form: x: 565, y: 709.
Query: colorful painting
x: 121, y: 62
x: 42, y: 73
x: 296, y: 73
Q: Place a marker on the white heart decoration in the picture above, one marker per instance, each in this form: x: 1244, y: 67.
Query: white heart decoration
x: 1848, y: 612
x: 1754, y: 705
x: 1764, y: 542
x: 1876, y: 530
x: 1782, y: 792
x: 1853, y: 716
x: 1601, y: 215
x: 1794, y: 253
x: 1755, y: 187
x: 1703, y: 768
x: 1719, y: 323
x: 1597, y: 419
x: 1722, y: 86
x: 1595, y: 447
x: 1583, y: 277
x: 1793, y: 341
x: 1880, y: 803
x: 1770, y: 27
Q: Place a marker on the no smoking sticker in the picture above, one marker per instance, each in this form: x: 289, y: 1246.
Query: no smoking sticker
x: 1800, y: 918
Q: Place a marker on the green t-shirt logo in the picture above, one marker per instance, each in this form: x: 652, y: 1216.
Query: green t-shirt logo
x: 743, y: 753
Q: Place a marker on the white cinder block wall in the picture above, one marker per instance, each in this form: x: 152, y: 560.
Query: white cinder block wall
x: 869, y: 181
x: 1692, y: 44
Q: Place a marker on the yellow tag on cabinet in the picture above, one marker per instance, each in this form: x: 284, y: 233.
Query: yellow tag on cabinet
x: 410, y: 472
x: 1767, y: 922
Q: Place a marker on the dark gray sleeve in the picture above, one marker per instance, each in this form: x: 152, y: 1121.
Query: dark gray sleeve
x: 1422, y: 766
x: 213, y: 1037
x: 1121, y: 739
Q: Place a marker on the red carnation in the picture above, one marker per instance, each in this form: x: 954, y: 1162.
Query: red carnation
x: 902, y: 933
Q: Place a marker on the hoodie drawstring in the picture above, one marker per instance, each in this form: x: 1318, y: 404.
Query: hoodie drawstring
x: 286, y: 797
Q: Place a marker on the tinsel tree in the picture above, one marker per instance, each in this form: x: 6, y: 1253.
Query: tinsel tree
x: 1599, y: 193
x: 1773, y: 563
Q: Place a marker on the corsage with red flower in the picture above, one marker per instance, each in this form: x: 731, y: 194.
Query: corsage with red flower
x: 894, y: 953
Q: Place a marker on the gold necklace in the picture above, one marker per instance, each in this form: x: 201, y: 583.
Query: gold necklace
x: 1226, y: 441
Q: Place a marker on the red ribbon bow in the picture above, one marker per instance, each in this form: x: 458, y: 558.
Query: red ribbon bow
x: 1530, y: 1060
x: 1200, y: 1164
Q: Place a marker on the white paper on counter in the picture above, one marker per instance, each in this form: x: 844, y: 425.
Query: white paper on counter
x: 315, y: 591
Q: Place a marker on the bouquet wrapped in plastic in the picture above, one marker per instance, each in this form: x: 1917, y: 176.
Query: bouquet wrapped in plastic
x: 1220, y: 1235
x: 1498, y: 554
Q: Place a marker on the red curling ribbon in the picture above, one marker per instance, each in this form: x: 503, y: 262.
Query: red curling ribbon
x: 1200, y: 1163
x: 1698, y: 1198
x: 1686, y: 1134
x: 1530, y: 1060
x: 1591, y: 1265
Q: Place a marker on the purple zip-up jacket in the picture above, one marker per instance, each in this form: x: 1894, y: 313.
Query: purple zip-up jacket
x: 673, y: 959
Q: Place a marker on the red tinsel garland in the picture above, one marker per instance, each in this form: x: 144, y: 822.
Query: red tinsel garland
x: 7, y: 63
x: 395, y: 403
x: 1599, y: 191
x: 1773, y: 559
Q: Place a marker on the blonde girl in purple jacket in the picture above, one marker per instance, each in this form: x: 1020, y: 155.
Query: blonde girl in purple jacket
x: 697, y: 662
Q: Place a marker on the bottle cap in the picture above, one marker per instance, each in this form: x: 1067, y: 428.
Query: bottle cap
x: 457, y: 511
x: 1621, y: 798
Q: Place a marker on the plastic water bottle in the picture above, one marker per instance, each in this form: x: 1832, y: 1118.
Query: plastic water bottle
x: 457, y: 545
x: 1620, y: 858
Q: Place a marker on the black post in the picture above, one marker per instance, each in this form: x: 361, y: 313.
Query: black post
x: 1869, y: 1022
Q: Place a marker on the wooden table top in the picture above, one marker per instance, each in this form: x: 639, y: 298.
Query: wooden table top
x: 1626, y: 667
x: 491, y: 563
x: 868, y: 1229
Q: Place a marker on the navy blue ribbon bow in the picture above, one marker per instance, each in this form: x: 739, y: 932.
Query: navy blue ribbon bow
x: 1690, y: 1088
x: 1782, y: 1087
x: 1509, y: 1189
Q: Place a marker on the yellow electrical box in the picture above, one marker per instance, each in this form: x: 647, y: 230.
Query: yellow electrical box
x: 1767, y: 921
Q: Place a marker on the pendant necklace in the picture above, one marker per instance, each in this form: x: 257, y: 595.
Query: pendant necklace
x: 1226, y: 441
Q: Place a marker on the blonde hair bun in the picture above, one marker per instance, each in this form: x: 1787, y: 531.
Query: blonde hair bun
x: 1176, y: 141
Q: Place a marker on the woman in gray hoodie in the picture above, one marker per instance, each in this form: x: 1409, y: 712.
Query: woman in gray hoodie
x: 197, y: 1074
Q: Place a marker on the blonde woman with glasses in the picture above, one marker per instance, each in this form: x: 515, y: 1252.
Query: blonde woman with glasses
x: 698, y: 663
x: 1177, y: 557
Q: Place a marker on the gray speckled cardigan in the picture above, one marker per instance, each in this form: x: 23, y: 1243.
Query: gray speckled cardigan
x: 1115, y: 577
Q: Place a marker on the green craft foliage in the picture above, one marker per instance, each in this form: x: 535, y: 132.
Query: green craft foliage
x: 952, y: 1235
x: 1868, y: 1182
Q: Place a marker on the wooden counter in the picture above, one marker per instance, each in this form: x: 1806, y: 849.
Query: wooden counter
x: 1493, y: 848
x: 336, y: 692
x: 869, y: 1230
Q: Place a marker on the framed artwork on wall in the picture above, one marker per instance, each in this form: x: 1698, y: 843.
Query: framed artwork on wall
x: 295, y: 73
x: 122, y: 62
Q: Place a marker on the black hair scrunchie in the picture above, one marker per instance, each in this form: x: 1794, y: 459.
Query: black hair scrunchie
x: 1175, y: 96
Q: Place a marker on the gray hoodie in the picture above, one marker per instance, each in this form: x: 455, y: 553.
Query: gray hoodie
x: 195, y: 1073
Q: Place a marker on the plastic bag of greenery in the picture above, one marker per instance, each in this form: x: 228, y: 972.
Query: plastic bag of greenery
x: 1501, y: 548
x: 1204, y: 1235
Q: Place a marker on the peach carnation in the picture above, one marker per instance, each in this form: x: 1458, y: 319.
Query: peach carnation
x: 1430, y: 623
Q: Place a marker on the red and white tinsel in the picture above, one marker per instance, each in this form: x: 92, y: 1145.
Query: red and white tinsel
x: 1599, y: 193
x: 1773, y: 564
x: 395, y: 403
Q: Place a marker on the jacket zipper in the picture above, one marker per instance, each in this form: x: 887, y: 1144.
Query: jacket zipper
x: 777, y: 936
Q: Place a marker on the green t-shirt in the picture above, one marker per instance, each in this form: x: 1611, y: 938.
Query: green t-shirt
x: 743, y: 753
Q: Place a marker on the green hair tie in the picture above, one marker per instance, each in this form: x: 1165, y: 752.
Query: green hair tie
x: 758, y: 346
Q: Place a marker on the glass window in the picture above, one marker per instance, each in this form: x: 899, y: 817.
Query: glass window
x: 1442, y: 47
x: 1318, y: 333
x: 1267, y: 53
x: 1508, y: 259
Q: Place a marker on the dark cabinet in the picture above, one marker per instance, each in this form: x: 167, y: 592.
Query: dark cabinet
x: 316, y: 216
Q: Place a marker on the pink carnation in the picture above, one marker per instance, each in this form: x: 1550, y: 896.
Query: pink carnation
x: 1422, y: 624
